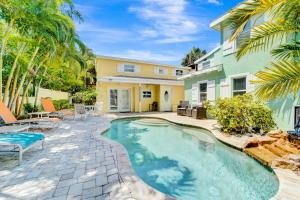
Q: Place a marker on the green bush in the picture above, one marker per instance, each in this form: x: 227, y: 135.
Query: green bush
x: 29, y: 108
x: 61, y: 104
x: 241, y: 114
x: 87, y: 97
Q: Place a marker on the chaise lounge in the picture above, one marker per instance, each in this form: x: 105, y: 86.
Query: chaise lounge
x: 48, y: 106
x: 20, y: 142
x: 10, y: 119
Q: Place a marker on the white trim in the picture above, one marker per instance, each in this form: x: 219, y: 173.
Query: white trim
x: 115, y: 79
x: 108, y: 99
x: 208, y: 54
x: 204, y: 71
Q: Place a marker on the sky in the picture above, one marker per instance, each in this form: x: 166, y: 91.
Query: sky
x: 162, y: 31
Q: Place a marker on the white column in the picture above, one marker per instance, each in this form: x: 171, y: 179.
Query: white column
x: 140, y: 96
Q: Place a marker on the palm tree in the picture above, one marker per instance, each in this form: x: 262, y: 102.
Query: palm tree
x: 192, y: 56
x: 283, y: 24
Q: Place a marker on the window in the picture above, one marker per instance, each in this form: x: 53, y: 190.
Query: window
x: 160, y: 71
x: 239, y: 86
x: 147, y: 94
x: 206, y: 64
x: 179, y: 72
x: 129, y: 68
x: 203, y: 92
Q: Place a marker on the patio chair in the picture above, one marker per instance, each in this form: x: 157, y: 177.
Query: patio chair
x: 80, y: 110
x: 20, y: 142
x: 48, y: 106
x: 189, y: 111
x: 10, y: 119
x: 181, y: 108
x: 199, y: 113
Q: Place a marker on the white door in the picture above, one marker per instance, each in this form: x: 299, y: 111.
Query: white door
x: 165, y: 99
x: 119, y: 100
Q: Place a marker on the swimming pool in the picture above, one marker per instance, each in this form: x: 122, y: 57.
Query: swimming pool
x: 189, y: 163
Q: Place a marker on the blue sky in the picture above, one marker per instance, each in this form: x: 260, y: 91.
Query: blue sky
x: 156, y: 30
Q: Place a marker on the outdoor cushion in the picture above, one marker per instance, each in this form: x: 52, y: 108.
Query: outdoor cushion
x: 48, y: 105
x: 6, y: 114
x: 23, y: 139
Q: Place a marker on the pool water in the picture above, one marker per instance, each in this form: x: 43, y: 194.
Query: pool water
x: 191, y: 164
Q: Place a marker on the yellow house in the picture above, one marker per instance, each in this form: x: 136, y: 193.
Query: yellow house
x: 127, y: 85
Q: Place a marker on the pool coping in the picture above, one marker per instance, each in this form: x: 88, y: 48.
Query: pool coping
x: 288, y: 180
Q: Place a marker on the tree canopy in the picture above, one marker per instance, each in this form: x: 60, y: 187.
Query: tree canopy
x: 192, y: 56
x: 39, y: 46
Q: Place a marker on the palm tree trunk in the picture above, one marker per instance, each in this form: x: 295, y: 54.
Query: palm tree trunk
x: 29, y: 67
x: 25, y: 94
x: 6, y: 93
x: 13, y: 90
x: 3, y: 46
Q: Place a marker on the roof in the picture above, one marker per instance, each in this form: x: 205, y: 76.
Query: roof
x: 139, y: 61
x: 140, y: 80
x: 207, y: 55
x: 215, y: 24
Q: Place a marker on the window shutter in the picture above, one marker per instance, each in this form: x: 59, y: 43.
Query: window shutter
x: 250, y: 86
x: 195, y: 94
x: 174, y: 72
x: 211, y: 90
x: 137, y: 69
x: 228, y: 47
x: 225, y: 88
x: 120, y: 68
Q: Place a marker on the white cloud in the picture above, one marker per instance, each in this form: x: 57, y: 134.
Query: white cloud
x: 168, y: 20
x: 149, y: 56
x: 216, y: 2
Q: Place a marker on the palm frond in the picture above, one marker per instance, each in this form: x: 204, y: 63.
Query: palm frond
x: 263, y: 37
x: 287, y: 51
x: 281, y: 79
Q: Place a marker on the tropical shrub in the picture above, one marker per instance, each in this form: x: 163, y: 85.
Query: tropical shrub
x: 241, y: 114
x: 62, y: 104
x: 87, y: 97
x: 29, y: 108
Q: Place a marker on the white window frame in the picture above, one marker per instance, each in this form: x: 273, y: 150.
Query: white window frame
x: 147, y: 91
x: 108, y: 99
x: 232, y: 85
x: 132, y: 68
x: 158, y: 71
x: 199, y: 91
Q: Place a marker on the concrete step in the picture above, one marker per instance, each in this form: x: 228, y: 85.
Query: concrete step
x: 275, y: 150
x: 262, y: 154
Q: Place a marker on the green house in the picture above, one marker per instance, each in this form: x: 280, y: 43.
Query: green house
x: 220, y: 74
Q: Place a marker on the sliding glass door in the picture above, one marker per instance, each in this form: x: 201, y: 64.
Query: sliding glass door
x: 119, y: 100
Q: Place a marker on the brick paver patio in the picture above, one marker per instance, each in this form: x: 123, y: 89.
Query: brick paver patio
x: 74, y: 164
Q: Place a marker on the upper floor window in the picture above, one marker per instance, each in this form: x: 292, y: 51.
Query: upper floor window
x: 129, y: 68
x: 239, y: 86
x: 206, y: 64
x: 179, y: 72
x: 161, y: 71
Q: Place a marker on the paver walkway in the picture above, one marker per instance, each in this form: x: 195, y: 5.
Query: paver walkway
x: 73, y: 165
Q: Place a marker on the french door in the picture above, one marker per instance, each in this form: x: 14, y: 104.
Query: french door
x: 119, y: 100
